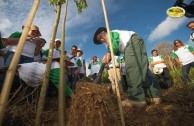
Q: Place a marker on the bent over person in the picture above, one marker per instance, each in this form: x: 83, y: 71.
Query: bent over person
x: 134, y: 50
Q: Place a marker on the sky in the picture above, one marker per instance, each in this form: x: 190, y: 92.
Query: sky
x: 147, y: 18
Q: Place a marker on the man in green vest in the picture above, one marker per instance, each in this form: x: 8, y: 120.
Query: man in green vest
x: 140, y: 80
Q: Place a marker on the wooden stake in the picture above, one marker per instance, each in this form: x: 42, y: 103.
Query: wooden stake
x: 114, y: 68
x: 61, y: 98
x: 41, y: 100
x: 12, y: 68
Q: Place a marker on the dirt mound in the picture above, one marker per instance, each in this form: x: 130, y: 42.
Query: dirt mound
x: 93, y: 105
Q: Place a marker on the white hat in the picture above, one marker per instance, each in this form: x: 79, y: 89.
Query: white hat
x: 57, y: 40
x: 79, y: 50
x: 157, y: 70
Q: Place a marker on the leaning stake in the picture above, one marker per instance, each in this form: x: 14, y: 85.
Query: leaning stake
x: 114, y: 68
x: 12, y: 68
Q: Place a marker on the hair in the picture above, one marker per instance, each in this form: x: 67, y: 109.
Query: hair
x: 154, y: 51
x: 74, y: 46
x: 94, y: 57
x: 175, y: 47
x: 190, y: 23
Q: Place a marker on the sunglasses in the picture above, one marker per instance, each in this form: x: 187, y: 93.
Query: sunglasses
x: 177, y: 42
x: 73, y: 49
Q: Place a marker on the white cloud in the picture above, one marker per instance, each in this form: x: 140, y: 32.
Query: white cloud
x: 166, y: 27
x: 15, y: 14
x: 4, y: 23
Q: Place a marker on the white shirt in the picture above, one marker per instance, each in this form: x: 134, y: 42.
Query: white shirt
x: 124, y: 37
x: 158, y: 58
x: 184, y: 55
x: 28, y: 50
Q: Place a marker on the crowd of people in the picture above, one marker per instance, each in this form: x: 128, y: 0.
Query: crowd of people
x: 132, y: 69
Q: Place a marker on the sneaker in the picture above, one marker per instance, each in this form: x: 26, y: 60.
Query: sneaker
x: 130, y: 103
x: 154, y: 101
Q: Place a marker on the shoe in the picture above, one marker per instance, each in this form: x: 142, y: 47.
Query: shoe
x: 131, y: 104
x: 154, y: 101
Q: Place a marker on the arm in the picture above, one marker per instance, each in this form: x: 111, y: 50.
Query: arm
x: 177, y: 59
x: 157, y: 62
x: 120, y: 66
x: 180, y: 64
x: 10, y: 41
x: 191, y: 49
x: 79, y: 64
x: 106, y: 58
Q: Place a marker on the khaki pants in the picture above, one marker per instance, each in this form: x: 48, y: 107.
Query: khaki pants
x: 112, y: 79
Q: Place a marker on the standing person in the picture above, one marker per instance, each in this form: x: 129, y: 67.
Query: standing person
x: 30, y: 46
x: 111, y: 74
x: 94, y: 67
x: 123, y: 73
x: 190, y: 25
x: 56, y: 50
x: 73, y: 71
x: 184, y: 56
x: 39, y: 51
x: 134, y: 50
x: 82, y: 72
x: 157, y: 62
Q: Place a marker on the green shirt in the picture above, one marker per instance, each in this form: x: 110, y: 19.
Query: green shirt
x: 54, y: 78
x: 115, y: 43
x: 15, y: 35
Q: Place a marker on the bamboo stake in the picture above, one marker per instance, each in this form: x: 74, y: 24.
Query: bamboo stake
x: 114, y: 68
x: 41, y: 100
x: 12, y: 68
x: 61, y: 98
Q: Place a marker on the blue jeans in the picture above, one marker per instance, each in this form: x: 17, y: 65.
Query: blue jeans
x: 185, y: 72
x: 23, y: 59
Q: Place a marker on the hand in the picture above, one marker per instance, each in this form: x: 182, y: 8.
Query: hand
x: 105, y: 59
x: 5, y: 42
x: 76, y: 72
x: 181, y: 65
x: 2, y: 53
x: 39, y: 42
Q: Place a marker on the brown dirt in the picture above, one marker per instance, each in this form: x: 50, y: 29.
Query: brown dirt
x: 95, y: 105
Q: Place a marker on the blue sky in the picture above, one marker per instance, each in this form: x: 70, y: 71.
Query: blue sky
x: 147, y: 18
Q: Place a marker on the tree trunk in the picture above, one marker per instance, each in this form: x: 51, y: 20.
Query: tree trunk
x: 61, y: 98
x: 12, y: 68
x: 41, y: 101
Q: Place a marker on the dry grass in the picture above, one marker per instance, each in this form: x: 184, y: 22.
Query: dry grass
x: 95, y: 105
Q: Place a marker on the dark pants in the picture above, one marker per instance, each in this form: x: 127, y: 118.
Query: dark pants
x: 164, y: 79
x: 125, y: 85
x: 94, y: 76
x: 185, y: 72
x: 16, y: 81
x: 141, y: 82
x: 73, y: 78
x: 23, y: 59
x: 81, y: 75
